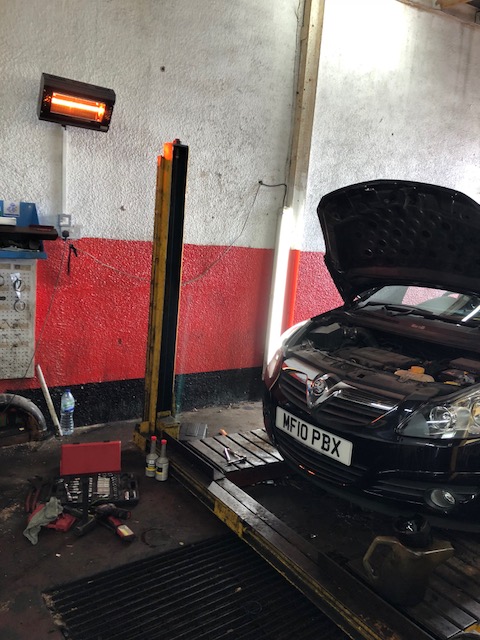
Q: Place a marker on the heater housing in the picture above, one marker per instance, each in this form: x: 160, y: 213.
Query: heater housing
x: 76, y: 104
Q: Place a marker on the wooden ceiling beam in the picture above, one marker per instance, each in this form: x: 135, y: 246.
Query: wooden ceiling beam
x: 445, y: 4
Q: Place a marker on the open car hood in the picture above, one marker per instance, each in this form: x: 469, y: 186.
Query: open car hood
x: 385, y: 232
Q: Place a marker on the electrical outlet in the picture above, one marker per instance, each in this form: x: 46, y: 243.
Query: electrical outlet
x: 66, y: 229
x: 64, y: 221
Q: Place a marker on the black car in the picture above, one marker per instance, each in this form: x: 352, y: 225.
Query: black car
x: 380, y: 398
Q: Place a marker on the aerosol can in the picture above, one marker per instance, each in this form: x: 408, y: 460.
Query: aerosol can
x: 161, y: 465
x: 151, y: 458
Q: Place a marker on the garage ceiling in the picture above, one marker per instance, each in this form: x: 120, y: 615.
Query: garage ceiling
x: 451, y: 3
x: 466, y: 10
x: 463, y: 9
x: 447, y: 4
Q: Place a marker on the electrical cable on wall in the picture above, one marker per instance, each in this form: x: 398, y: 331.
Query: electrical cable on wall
x: 71, y: 248
x: 109, y: 266
x: 228, y: 247
x: 77, y: 251
x: 279, y: 184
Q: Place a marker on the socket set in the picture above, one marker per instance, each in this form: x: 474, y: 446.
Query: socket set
x: 120, y: 489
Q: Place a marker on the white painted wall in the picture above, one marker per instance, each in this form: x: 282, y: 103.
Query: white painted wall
x: 398, y: 97
x: 226, y: 92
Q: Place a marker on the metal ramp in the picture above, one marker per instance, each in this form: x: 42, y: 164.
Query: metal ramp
x: 259, y: 459
x: 452, y: 603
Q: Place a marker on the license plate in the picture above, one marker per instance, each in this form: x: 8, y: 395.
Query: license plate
x: 322, y: 441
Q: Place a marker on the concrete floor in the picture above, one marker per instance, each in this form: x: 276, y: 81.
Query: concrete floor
x: 167, y: 517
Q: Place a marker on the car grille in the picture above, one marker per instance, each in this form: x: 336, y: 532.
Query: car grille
x: 293, y: 385
x: 347, y: 406
x: 317, y: 464
x: 355, y: 408
x: 399, y: 489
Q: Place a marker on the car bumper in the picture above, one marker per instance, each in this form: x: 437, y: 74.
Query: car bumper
x: 394, y: 477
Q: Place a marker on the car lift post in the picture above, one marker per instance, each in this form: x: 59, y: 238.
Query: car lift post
x: 159, y: 402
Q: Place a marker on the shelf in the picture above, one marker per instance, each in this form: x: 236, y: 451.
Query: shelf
x: 24, y: 240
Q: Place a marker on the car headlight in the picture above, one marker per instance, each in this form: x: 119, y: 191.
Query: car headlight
x: 273, y: 368
x: 459, y: 418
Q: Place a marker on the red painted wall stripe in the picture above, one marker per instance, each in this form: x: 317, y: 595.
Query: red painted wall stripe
x: 96, y: 329
x: 291, y: 288
x: 224, y: 309
x: 316, y: 291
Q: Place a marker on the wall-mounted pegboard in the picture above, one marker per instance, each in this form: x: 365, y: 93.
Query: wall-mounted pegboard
x: 17, y: 318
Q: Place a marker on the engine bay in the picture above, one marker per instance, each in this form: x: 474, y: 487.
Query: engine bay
x: 391, y: 361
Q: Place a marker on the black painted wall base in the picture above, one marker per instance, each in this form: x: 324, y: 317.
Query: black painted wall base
x: 99, y: 403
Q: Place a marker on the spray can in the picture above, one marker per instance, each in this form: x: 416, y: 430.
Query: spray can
x: 161, y: 465
x: 151, y: 458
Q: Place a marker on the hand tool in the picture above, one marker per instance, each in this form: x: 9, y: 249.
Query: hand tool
x: 228, y: 456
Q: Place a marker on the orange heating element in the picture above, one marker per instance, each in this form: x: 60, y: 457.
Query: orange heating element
x: 77, y: 107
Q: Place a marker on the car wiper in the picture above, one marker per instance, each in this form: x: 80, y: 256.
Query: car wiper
x: 423, y: 313
x: 398, y: 308
x: 452, y: 319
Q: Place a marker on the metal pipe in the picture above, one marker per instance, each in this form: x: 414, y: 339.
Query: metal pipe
x: 48, y: 400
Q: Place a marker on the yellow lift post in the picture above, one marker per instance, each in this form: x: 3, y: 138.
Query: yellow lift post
x: 159, y: 403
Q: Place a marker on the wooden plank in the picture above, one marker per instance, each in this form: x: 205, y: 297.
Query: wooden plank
x: 219, y: 443
x: 190, y: 454
x: 262, y: 434
x: 459, y: 581
x: 256, y: 450
x: 463, y: 568
x: 254, y: 454
x: 445, y: 4
x: 266, y: 446
x: 442, y: 628
x: 257, y: 467
x: 201, y: 447
x: 459, y: 597
x: 467, y: 550
x: 448, y: 610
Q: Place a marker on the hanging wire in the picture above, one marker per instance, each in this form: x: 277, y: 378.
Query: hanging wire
x: 70, y: 248
x: 239, y: 234
x: 129, y: 274
x: 109, y: 266
x: 279, y: 184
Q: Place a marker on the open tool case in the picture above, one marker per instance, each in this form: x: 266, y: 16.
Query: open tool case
x: 98, y: 466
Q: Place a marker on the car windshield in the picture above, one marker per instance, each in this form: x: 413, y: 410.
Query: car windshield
x: 425, y: 301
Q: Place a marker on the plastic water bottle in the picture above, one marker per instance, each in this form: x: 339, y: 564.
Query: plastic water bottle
x: 67, y: 405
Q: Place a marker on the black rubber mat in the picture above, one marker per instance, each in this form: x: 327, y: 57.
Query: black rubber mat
x: 214, y: 590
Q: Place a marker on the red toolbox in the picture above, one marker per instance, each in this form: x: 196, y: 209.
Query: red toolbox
x: 91, y: 457
x: 96, y: 465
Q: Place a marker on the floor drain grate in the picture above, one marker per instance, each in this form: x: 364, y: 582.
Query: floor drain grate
x: 214, y: 590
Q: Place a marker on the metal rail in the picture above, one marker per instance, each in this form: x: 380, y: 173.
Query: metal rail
x: 355, y: 608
